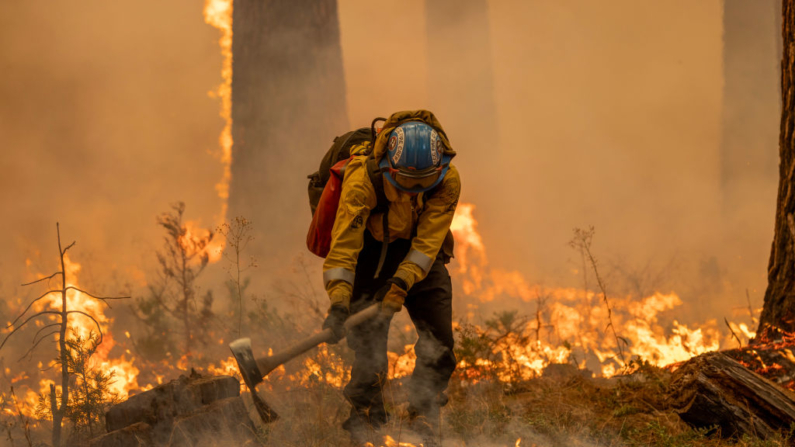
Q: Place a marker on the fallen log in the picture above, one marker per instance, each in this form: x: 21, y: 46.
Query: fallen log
x: 191, y: 411
x: 713, y: 390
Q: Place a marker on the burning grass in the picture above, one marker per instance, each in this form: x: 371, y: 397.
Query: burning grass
x: 536, y: 364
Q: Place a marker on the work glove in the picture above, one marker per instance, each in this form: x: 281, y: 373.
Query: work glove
x: 391, y: 296
x: 335, y: 321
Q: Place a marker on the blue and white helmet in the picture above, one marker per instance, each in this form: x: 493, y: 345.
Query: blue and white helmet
x: 415, y: 161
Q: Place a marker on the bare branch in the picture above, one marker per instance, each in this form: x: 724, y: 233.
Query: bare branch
x: 732, y: 331
x: 30, y: 351
x: 99, y: 328
x: 68, y: 247
x: 43, y: 328
x: 38, y: 314
x: 42, y: 279
x: 101, y: 298
x: 29, y: 306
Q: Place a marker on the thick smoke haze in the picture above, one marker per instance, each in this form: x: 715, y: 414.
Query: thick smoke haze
x: 607, y: 113
x: 105, y: 120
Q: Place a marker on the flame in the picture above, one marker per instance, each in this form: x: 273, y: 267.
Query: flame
x: 226, y: 367
x: 573, y: 316
x: 218, y: 14
x: 125, y: 372
x: 194, y: 231
x: 390, y: 442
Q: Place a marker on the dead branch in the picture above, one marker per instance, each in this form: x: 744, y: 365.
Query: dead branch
x: 36, y: 344
x: 44, y: 312
x: 104, y: 299
x: 42, y: 279
x: 67, y: 248
x: 582, y: 241
x: 29, y: 306
x: 43, y: 328
x: 732, y: 331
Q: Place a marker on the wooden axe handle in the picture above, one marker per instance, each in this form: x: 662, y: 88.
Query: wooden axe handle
x: 268, y: 364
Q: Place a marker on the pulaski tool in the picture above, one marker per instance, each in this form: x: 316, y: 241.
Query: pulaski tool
x: 254, y: 370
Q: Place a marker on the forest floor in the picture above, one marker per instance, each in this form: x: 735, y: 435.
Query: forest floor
x: 563, y: 408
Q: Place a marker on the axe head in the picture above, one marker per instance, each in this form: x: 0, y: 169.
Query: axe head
x: 247, y: 366
x: 241, y: 349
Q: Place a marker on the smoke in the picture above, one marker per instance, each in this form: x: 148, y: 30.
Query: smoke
x: 606, y: 114
x: 565, y: 114
x: 105, y: 120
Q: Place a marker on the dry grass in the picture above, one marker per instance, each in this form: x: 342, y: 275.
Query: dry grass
x: 564, y: 409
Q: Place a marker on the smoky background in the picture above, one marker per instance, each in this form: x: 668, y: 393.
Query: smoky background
x: 614, y: 114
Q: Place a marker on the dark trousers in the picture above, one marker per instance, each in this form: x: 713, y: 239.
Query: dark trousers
x: 429, y: 304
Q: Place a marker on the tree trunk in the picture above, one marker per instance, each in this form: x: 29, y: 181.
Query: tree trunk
x: 715, y: 390
x: 779, y: 307
x: 288, y: 104
x: 751, y: 40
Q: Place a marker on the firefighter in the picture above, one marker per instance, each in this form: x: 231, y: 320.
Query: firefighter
x: 422, y: 190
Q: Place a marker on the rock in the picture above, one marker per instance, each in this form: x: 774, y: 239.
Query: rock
x: 135, y: 435
x: 224, y: 422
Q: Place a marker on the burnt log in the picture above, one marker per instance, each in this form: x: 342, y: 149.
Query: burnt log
x: 159, y: 406
x: 191, y: 411
x: 714, y: 390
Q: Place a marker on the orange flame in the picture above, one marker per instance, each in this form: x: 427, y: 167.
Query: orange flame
x: 124, y: 371
x: 218, y: 14
x: 572, y: 317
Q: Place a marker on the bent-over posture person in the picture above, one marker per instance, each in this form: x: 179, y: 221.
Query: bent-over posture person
x: 422, y: 190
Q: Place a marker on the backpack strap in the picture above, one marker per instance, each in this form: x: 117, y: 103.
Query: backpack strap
x: 382, y: 206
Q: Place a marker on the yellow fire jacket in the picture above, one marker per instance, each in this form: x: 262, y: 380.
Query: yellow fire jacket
x: 430, y: 213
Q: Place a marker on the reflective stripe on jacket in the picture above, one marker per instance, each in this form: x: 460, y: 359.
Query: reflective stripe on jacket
x: 429, y: 214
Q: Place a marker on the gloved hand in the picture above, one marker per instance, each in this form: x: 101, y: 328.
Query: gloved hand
x: 335, y: 321
x: 392, y: 295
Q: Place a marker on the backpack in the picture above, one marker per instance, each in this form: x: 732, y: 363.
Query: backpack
x: 325, y: 186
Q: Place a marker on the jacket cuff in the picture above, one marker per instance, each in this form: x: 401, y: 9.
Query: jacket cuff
x: 408, y: 272
x: 339, y: 293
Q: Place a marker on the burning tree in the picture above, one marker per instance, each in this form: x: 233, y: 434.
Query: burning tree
x: 59, y: 322
x: 779, y: 307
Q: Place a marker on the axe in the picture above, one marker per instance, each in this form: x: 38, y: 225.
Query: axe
x: 254, y: 370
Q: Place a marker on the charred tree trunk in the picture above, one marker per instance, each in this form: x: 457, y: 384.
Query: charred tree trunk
x: 779, y: 307
x: 288, y: 104
x: 715, y: 390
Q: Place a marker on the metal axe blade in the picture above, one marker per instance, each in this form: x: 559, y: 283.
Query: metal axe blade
x: 252, y: 376
x: 241, y: 349
x: 254, y: 370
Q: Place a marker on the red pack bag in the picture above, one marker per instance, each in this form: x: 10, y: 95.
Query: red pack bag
x: 318, y: 240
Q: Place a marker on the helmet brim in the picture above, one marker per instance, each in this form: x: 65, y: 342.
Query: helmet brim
x: 384, y: 165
